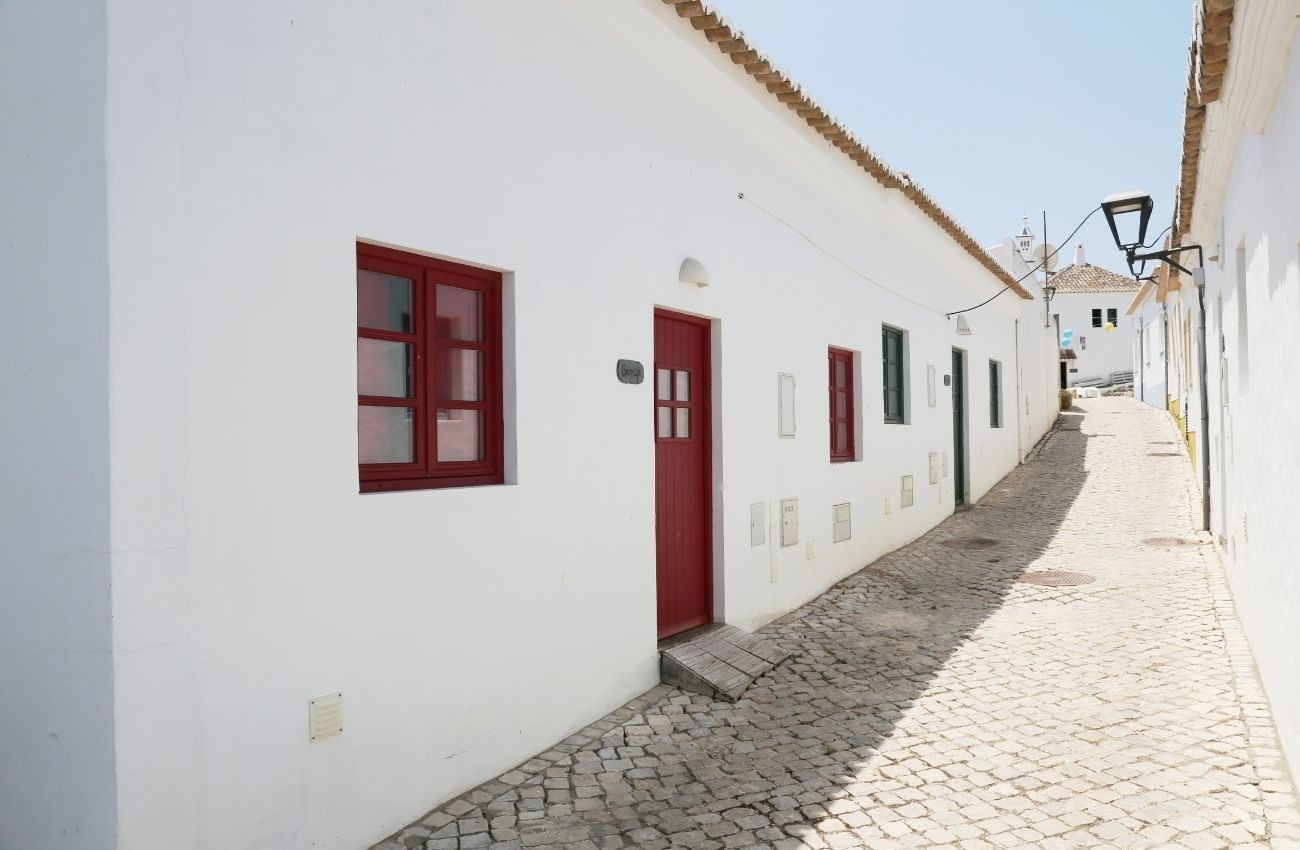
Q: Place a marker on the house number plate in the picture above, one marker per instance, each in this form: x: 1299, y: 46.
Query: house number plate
x: 630, y: 372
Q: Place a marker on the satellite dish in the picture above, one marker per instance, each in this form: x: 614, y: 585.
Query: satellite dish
x: 1048, y: 250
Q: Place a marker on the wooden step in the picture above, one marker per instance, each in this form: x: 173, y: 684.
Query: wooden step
x: 717, y: 660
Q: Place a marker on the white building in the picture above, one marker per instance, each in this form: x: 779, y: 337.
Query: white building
x: 1146, y: 315
x: 1240, y: 200
x: 313, y: 387
x: 1091, y: 302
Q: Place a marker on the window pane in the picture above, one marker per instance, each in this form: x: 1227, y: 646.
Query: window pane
x: 460, y: 313
x: 664, y: 427
x: 663, y: 384
x: 683, y: 386
x: 383, y: 301
x: 841, y: 437
x: 841, y: 374
x: 460, y: 435
x: 384, y: 434
x: 383, y: 368
x: 683, y: 422
x: 458, y: 374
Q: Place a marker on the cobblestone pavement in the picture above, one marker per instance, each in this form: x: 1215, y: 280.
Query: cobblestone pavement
x: 938, y: 703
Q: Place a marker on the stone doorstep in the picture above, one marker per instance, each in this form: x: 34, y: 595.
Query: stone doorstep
x: 717, y: 660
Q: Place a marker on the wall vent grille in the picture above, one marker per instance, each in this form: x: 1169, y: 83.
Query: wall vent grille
x: 325, y: 716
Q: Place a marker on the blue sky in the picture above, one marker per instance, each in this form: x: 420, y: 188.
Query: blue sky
x: 999, y: 109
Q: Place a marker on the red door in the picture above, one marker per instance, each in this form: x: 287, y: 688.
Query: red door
x: 683, y: 472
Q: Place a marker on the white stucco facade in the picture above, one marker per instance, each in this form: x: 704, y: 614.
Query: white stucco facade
x: 1247, y: 215
x: 1100, y: 352
x: 1146, y: 318
x: 201, y: 456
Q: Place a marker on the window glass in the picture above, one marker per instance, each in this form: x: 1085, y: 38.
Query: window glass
x: 459, y: 313
x: 385, y: 434
x: 683, y: 428
x: 460, y: 435
x: 384, y: 368
x: 683, y: 388
x: 384, y: 301
x: 458, y: 374
x: 663, y: 384
x: 664, y: 425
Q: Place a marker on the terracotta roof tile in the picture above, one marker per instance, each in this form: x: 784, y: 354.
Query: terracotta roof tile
x: 716, y: 30
x: 1090, y: 278
x: 1206, y: 64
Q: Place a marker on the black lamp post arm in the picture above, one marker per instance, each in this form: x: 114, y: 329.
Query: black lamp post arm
x: 1167, y: 256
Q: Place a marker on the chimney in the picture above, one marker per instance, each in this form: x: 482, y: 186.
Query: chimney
x: 1078, y: 255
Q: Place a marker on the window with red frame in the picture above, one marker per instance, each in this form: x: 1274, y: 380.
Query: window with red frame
x: 841, y: 399
x: 428, y: 372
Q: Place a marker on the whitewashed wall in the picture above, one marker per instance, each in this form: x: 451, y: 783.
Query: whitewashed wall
x: 56, y: 688
x: 1105, y: 351
x: 249, y: 145
x: 1248, y: 213
x: 1039, y: 351
x: 1146, y: 327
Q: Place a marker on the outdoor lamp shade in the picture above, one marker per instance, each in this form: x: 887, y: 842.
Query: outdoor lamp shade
x: 1049, y: 292
x: 1128, y: 214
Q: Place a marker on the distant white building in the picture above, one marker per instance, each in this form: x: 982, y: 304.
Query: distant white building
x: 1091, y: 302
x: 1146, y: 316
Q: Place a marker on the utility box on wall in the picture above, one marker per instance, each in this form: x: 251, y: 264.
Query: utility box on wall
x: 841, y: 523
x: 789, y: 522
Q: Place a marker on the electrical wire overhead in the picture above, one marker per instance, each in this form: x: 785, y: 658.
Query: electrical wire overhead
x: 1046, y: 258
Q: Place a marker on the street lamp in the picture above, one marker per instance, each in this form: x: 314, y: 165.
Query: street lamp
x: 1130, y: 211
x: 1049, y: 292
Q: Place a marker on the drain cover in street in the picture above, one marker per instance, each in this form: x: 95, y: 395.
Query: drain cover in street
x: 1169, y: 541
x: 1055, y: 578
x: 970, y: 542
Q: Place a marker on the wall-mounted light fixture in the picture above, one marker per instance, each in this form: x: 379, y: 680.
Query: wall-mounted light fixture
x: 693, y: 271
x: 1128, y: 214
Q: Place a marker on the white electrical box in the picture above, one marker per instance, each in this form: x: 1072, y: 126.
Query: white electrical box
x: 789, y: 522
x: 757, y: 524
x: 934, y: 467
x: 841, y: 523
x: 905, y: 497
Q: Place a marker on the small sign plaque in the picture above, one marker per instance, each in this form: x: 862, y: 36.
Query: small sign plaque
x: 630, y: 372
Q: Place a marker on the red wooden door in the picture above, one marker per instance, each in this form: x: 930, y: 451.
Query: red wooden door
x: 683, y: 472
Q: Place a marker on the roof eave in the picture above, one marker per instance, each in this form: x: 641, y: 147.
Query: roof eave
x: 731, y: 42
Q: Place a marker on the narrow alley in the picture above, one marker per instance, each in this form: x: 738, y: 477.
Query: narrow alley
x: 938, y: 700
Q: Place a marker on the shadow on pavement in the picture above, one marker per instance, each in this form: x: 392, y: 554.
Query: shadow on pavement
x: 676, y: 769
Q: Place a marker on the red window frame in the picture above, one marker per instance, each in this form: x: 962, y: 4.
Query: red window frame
x: 425, y: 471
x: 846, y: 449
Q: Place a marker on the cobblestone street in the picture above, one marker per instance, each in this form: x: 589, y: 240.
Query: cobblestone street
x: 937, y: 702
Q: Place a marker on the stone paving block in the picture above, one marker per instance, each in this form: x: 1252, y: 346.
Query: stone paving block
x: 932, y: 701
